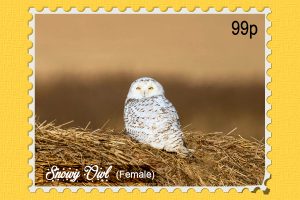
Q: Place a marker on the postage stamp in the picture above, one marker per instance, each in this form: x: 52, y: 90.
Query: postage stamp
x: 149, y: 99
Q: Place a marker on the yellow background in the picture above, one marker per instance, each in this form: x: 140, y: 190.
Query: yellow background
x: 14, y: 100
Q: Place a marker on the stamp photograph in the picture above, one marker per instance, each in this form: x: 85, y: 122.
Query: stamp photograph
x: 149, y: 99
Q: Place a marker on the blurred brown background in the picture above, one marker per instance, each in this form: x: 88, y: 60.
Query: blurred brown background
x: 85, y: 64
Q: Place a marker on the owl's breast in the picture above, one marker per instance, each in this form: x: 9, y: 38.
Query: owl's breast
x: 145, y: 113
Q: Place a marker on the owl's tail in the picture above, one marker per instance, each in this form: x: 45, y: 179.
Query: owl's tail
x: 184, y: 152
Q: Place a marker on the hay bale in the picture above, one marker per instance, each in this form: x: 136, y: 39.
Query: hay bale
x: 219, y: 159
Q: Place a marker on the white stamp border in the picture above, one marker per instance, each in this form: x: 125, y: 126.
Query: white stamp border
x: 31, y: 92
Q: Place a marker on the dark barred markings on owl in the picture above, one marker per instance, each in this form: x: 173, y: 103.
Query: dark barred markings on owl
x: 151, y: 118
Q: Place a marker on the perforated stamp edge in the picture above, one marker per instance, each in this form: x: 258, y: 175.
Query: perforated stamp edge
x: 31, y: 93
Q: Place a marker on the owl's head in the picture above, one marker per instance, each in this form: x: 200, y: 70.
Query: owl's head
x: 145, y: 87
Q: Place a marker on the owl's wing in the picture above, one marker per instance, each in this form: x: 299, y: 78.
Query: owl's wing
x: 169, y: 110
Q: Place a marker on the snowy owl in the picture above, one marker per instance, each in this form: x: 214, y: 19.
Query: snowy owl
x: 151, y: 118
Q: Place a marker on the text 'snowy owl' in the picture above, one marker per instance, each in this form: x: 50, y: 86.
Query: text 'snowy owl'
x: 151, y: 118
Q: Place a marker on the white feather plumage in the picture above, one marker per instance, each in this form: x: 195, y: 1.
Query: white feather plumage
x: 151, y: 118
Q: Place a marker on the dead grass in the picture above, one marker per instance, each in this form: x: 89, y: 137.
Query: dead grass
x: 219, y: 159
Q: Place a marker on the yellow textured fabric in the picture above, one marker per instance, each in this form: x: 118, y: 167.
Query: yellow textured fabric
x: 14, y: 99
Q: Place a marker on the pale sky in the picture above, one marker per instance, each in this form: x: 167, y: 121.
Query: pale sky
x: 196, y: 48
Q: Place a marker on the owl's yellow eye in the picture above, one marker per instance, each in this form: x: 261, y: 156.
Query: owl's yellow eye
x: 150, y: 88
x: 138, y: 88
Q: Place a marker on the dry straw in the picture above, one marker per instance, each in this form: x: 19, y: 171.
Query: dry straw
x: 219, y: 159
